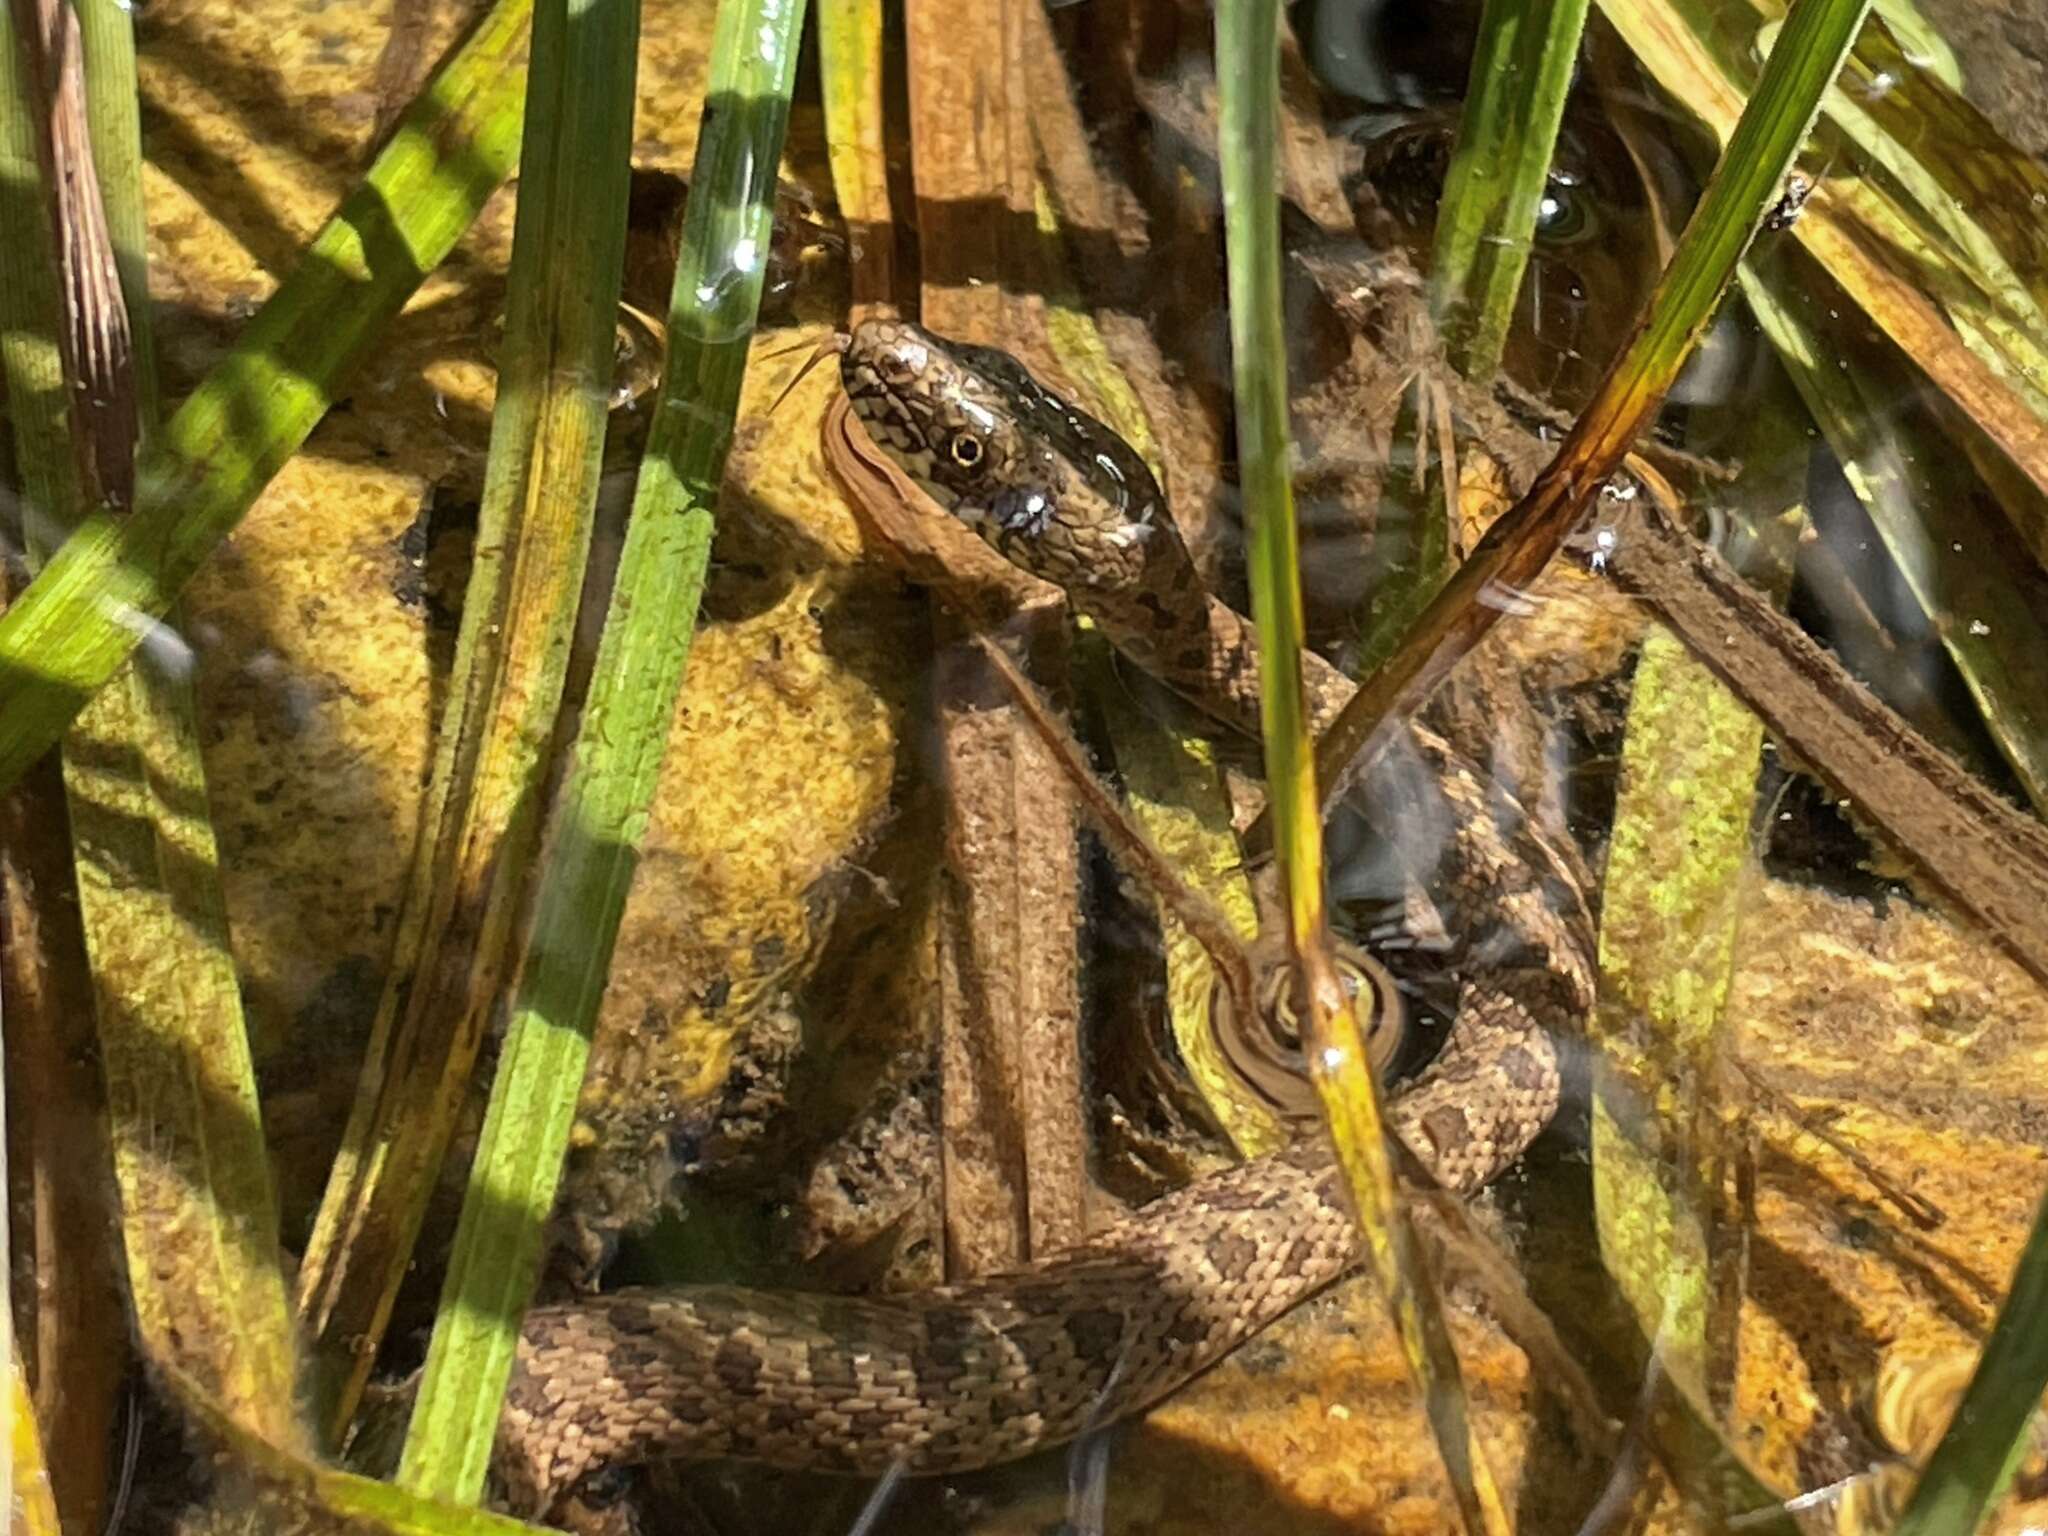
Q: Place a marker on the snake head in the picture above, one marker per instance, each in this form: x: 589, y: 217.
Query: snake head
x: 1050, y: 487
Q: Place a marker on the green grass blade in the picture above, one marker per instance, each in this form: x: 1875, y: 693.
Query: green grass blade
x: 1970, y: 1468
x: 1936, y: 531
x: 1493, y: 193
x: 1248, y: 85
x: 115, y: 576
x: 199, y: 1215
x: 456, y: 949
x: 1744, y: 185
x: 601, y: 815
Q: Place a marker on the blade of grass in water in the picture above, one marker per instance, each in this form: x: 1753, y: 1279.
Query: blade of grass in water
x: 850, y: 80
x: 456, y: 946
x: 1935, y: 249
x: 1514, y: 101
x: 1248, y: 82
x: 276, y: 1490
x: 103, y: 592
x: 1745, y: 184
x: 1172, y: 783
x: 1936, y: 531
x: 25, y: 1484
x: 601, y: 814
x: 199, y: 1218
x: 1970, y: 1468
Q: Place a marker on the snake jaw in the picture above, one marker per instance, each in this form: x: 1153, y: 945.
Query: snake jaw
x: 1022, y: 510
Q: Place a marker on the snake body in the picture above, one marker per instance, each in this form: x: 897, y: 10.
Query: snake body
x: 1055, y: 491
x: 973, y: 1374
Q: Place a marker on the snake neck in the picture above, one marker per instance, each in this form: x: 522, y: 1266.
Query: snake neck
x: 1201, y: 647
x: 1507, y: 890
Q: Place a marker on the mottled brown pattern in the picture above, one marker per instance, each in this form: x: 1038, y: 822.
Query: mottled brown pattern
x: 1099, y: 528
x: 978, y: 1373
x: 948, y: 1379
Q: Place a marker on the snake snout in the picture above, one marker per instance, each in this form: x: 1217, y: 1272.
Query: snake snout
x: 893, y: 354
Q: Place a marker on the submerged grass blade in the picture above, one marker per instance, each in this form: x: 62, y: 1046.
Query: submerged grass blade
x: 1937, y: 250
x: 482, y: 818
x: 1178, y: 798
x: 1248, y: 76
x: 26, y: 1480
x: 850, y: 81
x: 1935, y: 530
x: 601, y: 814
x: 199, y: 1217
x: 1173, y: 784
x: 103, y: 592
x: 1514, y: 101
x: 1775, y: 122
x: 269, y: 1487
x: 1969, y: 1470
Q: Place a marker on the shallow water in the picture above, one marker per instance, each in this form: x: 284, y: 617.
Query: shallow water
x: 885, y: 1011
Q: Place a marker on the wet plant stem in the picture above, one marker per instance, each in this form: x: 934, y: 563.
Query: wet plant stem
x: 601, y: 812
x: 1248, y: 82
x: 1808, y: 53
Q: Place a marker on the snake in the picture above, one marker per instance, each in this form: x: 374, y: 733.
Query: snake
x: 983, y: 1371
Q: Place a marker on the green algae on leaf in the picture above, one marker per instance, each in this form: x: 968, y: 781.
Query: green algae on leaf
x: 1670, y: 911
x: 94, y: 602
x: 199, y: 1215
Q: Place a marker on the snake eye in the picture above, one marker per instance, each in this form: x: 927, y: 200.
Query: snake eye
x: 1565, y: 215
x: 965, y: 450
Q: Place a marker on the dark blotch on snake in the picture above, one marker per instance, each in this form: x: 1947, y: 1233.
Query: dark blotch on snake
x: 737, y: 1366
x: 1097, y: 1334
x: 1232, y: 1255
x: 1521, y: 1068
x: 947, y: 1332
x: 1446, y: 1128
x: 1163, y: 617
x: 629, y: 1314
x: 1241, y: 1200
x: 831, y: 1367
